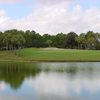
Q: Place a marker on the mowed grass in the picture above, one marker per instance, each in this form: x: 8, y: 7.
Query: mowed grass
x: 59, y: 55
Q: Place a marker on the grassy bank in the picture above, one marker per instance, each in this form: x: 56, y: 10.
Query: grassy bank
x: 62, y: 55
x: 50, y: 55
x: 9, y: 56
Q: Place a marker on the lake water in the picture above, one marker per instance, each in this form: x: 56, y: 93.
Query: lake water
x: 49, y: 81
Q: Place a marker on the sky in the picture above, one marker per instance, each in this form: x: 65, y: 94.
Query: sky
x: 50, y: 16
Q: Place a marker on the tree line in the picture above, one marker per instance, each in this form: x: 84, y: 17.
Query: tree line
x: 15, y: 39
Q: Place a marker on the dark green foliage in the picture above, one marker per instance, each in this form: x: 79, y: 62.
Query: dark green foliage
x: 14, y: 39
x: 47, y: 38
x: 60, y: 40
x: 71, y: 40
x: 81, y: 40
x: 49, y: 42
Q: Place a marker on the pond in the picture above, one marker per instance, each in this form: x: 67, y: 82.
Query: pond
x: 50, y: 81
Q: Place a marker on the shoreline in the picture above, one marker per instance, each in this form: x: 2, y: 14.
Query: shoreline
x: 47, y: 61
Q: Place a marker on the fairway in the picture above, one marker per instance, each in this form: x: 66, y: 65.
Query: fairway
x: 59, y: 55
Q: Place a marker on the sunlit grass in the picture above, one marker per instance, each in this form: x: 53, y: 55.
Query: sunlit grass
x: 35, y: 54
x: 52, y: 55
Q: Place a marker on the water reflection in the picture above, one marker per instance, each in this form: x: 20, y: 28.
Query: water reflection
x: 15, y: 73
x: 49, y: 81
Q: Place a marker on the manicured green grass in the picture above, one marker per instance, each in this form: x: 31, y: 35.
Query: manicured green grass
x: 51, y: 55
x: 56, y: 55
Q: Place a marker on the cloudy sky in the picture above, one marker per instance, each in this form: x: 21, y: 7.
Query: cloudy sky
x: 50, y: 16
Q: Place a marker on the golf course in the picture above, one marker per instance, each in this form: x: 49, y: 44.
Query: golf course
x: 50, y: 55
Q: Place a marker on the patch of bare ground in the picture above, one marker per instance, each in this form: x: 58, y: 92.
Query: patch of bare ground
x: 53, y: 49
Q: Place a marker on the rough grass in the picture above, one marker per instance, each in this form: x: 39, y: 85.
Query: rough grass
x: 58, y: 55
x: 9, y: 56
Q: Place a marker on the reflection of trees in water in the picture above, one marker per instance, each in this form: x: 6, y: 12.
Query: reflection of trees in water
x: 15, y: 73
x: 70, y: 69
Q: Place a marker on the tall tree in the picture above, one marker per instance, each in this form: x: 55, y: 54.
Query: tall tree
x: 81, y: 40
x: 71, y: 40
x: 91, y: 40
x: 60, y: 40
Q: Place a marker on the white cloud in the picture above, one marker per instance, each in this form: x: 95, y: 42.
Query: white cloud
x: 54, y: 84
x: 9, y: 1
x: 5, y: 22
x: 55, y: 18
x: 2, y: 86
x: 52, y: 2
